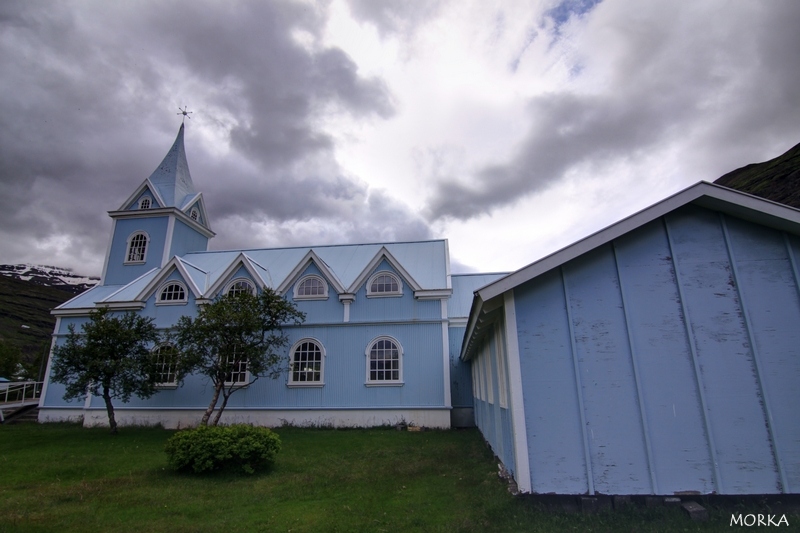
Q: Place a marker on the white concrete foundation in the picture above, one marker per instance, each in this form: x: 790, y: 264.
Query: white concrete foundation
x: 181, y: 418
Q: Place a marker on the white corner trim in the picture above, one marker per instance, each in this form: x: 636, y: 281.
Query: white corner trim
x: 446, y: 355
x: 168, y: 241
x: 521, y: 458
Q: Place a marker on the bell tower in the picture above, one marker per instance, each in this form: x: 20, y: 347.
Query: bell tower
x: 164, y: 217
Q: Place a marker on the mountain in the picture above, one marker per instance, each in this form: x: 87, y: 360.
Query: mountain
x: 777, y: 179
x: 50, y: 276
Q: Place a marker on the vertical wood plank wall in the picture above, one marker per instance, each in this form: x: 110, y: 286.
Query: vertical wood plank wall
x: 683, y: 340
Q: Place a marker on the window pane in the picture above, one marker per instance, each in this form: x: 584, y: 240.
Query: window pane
x: 307, y: 363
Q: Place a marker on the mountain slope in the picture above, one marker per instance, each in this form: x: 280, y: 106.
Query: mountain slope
x: 777, y: 179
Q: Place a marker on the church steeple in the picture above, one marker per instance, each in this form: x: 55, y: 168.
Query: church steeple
x: 164, y: 217
x: 172, y: 179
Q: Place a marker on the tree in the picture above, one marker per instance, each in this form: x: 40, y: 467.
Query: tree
x: 10, y: 360
x: 235, y: 340
x: 109, y: 358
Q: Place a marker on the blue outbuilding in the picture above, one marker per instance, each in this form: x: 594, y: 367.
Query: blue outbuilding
x: 660, y: 355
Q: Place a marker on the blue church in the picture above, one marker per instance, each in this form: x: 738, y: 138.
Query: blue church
x: 660, y: 355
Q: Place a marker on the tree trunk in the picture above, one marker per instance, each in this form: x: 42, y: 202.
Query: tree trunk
x: 112, y: 423
x: 207, y: 414
x: 221, y: 407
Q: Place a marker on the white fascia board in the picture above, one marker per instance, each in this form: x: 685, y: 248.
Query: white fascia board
x: 173, y: 264
x: 149, y: 213
x: 704, y: 194
x: 433, y: 294
x: 447, y: 264
x: 77, y: 311
x: 146, y: 184
x: 121, y: 306
x: 297, y: 271
x: 383, y: 253
x: 241, y: 260
x: 198, y: 199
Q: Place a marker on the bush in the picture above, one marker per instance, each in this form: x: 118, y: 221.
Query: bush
x: 237, y: 447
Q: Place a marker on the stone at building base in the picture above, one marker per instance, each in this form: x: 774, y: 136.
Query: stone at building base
x: 696, y: 512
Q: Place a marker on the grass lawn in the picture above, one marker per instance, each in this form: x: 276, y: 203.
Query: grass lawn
x: 62, y: 477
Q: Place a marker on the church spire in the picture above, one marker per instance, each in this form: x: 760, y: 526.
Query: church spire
x: 172, y: 178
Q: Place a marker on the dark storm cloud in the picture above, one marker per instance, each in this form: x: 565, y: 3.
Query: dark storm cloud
x: 720, y: 83
x: 88, y: 98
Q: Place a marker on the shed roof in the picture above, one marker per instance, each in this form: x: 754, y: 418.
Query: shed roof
x: 704, y: 194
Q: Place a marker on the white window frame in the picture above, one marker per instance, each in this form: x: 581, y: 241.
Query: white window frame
x: 194, y: 214
x: 236, y: 281
x: 385, y: 294
x: 502, y: 371
x: 323, y: 296
x: 296, y: 346
x: 142, y: 201
x: 164, y: 286
x: 156, y: 352
x: 129, y: 248
x: 385, y: 382
x: 246, y: 379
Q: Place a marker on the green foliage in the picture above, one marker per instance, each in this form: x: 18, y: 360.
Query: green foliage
x: 109, y: 358
x: 238, y: 447
x: 231, y: 332
x: 10, y: 360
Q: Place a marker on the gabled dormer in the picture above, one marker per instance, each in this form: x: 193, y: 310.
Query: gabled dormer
x: 164, y: 216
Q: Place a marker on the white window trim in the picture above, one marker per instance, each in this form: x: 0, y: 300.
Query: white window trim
x: 305, y: 384
x: 391, y: 294
x: 166, y: 284
x: 323, y: 296
x: 502, y: 371
x: 194, y: 214
x: 238, y: 280
x: 150, y: 202
x: 165, y: 384
x: 128, y: 248
x: 241, y: 384
x: 385, y: 383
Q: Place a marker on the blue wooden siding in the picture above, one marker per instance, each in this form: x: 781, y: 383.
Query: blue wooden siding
x: 460, y: 373
x: 186, y: 239
x: 678, y: 345
x: 491, y: 417
x: 118, y: 273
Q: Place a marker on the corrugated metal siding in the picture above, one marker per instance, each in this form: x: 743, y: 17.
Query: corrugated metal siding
x: 680, y: 353
x: 460, y: 373
x: 344, y: 374
x: 186, y: 239
x: 156, y: 228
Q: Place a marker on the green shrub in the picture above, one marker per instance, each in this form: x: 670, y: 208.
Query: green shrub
x: 209, y: 448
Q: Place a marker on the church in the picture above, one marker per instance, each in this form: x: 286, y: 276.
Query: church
x: 659, y: 355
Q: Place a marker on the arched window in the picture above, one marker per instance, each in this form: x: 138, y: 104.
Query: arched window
x: 384, y: 362
x: 137, y: 248
x: 311, y: 288
x: 144, y: 203
x: 236, y: 373
x: 240, y: 286
x: 165, y: 358
x: 194, y: 214
x: 384, y: 284
x: 307, y: 363
x: 172, y: 293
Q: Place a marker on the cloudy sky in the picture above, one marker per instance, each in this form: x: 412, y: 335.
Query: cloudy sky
x: 510, y: 128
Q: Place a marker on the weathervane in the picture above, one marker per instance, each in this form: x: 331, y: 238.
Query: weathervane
x: 184, y: 113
